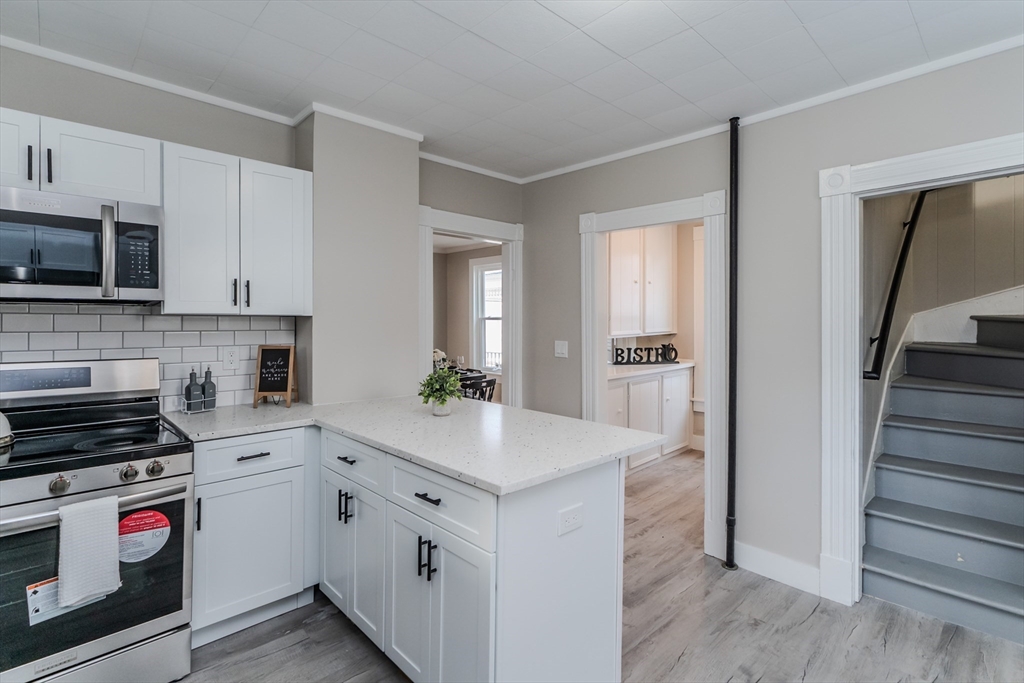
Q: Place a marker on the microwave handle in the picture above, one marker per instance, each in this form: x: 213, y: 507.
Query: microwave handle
x: 109, y: 244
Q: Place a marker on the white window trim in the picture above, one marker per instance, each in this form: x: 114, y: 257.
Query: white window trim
x: 477, y: 355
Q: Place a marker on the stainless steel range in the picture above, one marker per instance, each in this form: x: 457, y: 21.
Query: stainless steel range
x: 85, y: 430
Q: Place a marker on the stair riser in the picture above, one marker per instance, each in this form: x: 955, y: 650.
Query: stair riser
x: 1004, y: 411
x: 997, y: 372
x: 1004, y: 334
x: 954, y: 496
x: 957, y: 449
x: 952, y: 550
x: 947, y: 607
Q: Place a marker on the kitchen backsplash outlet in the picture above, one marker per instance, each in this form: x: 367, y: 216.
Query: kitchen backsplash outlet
x: 41, y: 332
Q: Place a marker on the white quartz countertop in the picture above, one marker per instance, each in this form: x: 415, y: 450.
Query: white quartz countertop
x: 491, y: 446
x: 620, y: 371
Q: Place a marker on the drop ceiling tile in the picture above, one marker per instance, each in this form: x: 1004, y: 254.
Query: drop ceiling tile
x: 413, y: 27
x: 377, y: 113
x: 597, y: 146
x: 575, y: 56
x: 496, y: 155
x: 884, y: 55
x: 242, y: 11
x: 369, y: 53
x: 562, y: 132
x: 134, y: 12
x: 434, y: 80
x: 258, y: 100
x: 977, y: 24
x: 278, y: 55
x: 636, y: 133
x: 616, y: 81
x: 524, y: 167
x: 80, y: 48
x: 90, y: 27
x: 676, y: 55
x: 565, y: 102
x: 695, y: 12
x: 524, y: 81
x: 20, y: 19
x: 802, y: 82
x: 634, y: 26
x: 745, y: 100
x: 682, y: 121
x: 490, y: 131
x: 555, y: 156
x: 812, y: 10
x: 306, y: 93
x: 345, y: 80
x: 180, y: 56
x: 748, y: 24
x: 791, y: 49
x: 355, y: 12
x: 859, y: 23
x: 525, y: 118
x: 304, y: 26
x: 474, y: 57
x: 465, y: 14
x: 527, y: 143
x: 925, y: 10
x: 169, y: 75
x: 707, y: 80
x: 602, y: 118
x: 447, y: 116
x: 579, y: 13
x: 196, y: 25
x: 523, y: 28
x: 395, y: 98
x: 650, y: 101
x: 256, y: 79
x: 484, y: 101
x: 455, y: 146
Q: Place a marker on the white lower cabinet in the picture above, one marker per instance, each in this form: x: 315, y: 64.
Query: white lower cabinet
x: 407, y: 592
x: 645, y: 414
x: 657, y: 403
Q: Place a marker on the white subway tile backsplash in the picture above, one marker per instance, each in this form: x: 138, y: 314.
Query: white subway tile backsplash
x: 89, y: 354
x: 170, y: 387
x: 26, y: 356
x: 53, y: 308
x: 287, y: 323
x: 199, y: 322
x: 265, y: 322
x: 99, y: 309
x: 68, y: 322
x: 217, y: 338
x: 99, y: 340
x: 115, y: 323
x: 255, y: 337
x: 50, y: 341
x: 193, y: 354
x: 161, y: 322
x: 13, y: 308
x: 232, y: 383
x: 26, y: 322
x: 144, y: 339
x: 233, y: 322
x: 13, y: 341
x: 166, y: 355
x: 141, y: 310
x: 281, y: 337
x: 183, y: 339
x: 114, y: 354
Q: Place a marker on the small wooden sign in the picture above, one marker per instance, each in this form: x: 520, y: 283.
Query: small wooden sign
x: 275, y: 374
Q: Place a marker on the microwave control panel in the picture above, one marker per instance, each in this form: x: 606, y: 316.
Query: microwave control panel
x: 138, y: 256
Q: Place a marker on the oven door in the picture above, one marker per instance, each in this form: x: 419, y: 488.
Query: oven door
x: 155, y: 595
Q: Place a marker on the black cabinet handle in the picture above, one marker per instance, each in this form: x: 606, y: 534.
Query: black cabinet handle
x: 431, y: 569
x: 199, y: 514
x: 243, y: 458
x: 30, y: 162
x: 234, y: 292
x: 347, y: 461
x: 39, y: 256
x: 348, y: 515
x: 31, y: 255
x: 341, y: 510
x: 419, y: 556
x: 247, y: 294
x: 49, y: 165
x: 432, y: 501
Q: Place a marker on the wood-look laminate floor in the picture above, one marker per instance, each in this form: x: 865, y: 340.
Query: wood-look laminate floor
x: 684, y: 619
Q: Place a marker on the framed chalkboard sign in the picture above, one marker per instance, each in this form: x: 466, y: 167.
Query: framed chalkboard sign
x: 275, y: 374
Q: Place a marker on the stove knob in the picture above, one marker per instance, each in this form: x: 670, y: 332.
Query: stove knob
x: 60, y: 485
x: 129, y: 473
x: 155, y: 468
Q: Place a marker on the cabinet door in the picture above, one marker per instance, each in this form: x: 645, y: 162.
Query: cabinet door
x: 462, y: 611
x: 659, y: 279
x: 675, y: 412
x: 276, y: 239
x: 247, y: 543
x: 19, y: 149
x: 645, y: 414
x: 624, y: 287
x: 96, y: 162
x: 336, y: 540
x: 369, y: 531
x: 618, y: 404
x: 407, y: 593
x: 200, y: 243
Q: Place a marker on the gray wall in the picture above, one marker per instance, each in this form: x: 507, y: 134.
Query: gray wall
x: 453, y: 189
x: 779, y: 410
x: 440, y: 301
x: 50, y: 88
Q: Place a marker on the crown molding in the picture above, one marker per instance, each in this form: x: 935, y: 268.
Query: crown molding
x: 472, y: 168
x: 356, y: 118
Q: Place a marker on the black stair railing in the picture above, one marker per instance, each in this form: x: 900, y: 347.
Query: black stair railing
x: 879, y: 339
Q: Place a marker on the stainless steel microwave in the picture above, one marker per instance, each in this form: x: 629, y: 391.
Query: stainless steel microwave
x: 71, y: 248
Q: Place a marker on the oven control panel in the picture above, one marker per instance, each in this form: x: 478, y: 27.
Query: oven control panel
x: 36, y: 379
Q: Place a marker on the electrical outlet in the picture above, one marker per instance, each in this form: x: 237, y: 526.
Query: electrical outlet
x: 570, y: 518
x: 561, y: 349
x: 230, y: 358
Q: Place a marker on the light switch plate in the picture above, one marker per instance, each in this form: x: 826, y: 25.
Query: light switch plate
x: 561, y: 349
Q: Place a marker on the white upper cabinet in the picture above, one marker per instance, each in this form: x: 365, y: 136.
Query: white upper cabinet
x: 96, y: 162
x: 19, y: 149
x: 625, y: 291
x: 659, y: 280
x: 200, y: 253
x: 276, y: 239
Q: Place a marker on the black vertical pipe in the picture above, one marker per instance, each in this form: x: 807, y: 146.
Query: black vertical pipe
x: 734, y: 183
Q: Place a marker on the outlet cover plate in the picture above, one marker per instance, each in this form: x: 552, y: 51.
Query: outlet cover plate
x: 230, y: 358
x: 570, y: 519
x: 561, y: 349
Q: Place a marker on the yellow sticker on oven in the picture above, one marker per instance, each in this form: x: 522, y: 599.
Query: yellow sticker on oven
x: 141, y: 535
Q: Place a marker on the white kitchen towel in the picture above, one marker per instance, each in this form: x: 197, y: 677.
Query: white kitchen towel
x: 88, y: 565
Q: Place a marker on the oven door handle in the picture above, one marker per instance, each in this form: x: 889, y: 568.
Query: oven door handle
x: 109, y: 245
x: 52, y: 518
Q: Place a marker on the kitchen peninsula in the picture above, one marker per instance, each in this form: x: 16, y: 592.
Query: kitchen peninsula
x: 486, y: 545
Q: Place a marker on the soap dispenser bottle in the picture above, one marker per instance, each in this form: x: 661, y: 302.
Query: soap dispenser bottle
x: 193, y: 393
x: 209, y: 392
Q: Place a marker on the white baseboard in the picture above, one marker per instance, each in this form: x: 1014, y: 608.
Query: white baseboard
x: 778, y: 568
x: 237, y: 623
x: 835, y: 583
x: 697, y: 442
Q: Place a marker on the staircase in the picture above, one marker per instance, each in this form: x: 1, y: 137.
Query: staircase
x: 945, y: 530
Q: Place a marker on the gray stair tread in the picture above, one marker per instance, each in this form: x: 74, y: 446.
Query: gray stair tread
x: 1000, y: 595
x: 929, y: 384
x: 951, y: 427
x: 953, y: 522
x: 943, y: 470
x: 1000, y: 318
x: 966, y: 350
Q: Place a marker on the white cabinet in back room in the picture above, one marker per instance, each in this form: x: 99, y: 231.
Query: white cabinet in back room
x: 625, y: 290
x: 19, y: 149
x: 660, y: 279
x: 645, y: 413
x: 618, y: 404
x: 675, y: 409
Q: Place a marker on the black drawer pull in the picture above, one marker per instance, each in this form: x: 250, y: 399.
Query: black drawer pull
x: 432, y: 501
x: 348, y: 515
x: 30, y: 162
x: 199, y: 514
x: 347, y: 461
x: 341, y: 510
x: 243, y: 458
x: 431, y: 569
x: 419, y: 556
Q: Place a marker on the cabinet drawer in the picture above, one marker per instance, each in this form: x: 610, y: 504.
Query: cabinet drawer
x: 244, y: 455
x: 360, y: 463
x: 464, y: 510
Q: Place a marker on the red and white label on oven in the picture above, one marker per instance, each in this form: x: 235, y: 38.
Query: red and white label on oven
x: 142, y: 534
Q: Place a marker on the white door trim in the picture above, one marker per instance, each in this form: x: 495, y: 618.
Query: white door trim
x: 842, y: 344
x: 711, y: 208
x: 511, y: 235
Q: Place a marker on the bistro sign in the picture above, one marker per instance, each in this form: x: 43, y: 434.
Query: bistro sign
x: 666, y: 354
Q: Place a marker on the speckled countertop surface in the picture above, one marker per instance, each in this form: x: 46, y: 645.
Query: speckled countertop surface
x: 491, y: 446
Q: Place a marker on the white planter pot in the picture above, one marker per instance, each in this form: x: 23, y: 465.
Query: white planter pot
x: 442, y: 410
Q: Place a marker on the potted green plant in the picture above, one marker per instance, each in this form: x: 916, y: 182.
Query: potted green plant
x: 438, y: 388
